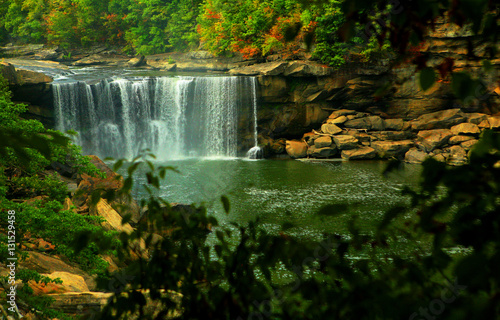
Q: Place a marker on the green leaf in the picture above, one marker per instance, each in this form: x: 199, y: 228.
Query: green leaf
x: 427, y: 78
x: 225, y: 202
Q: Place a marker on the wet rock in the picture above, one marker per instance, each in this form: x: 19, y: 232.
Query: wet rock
x: 415, y: 155
x: 359, y: 153
x: 330, y: 129
x: 324, y: 152
x: 345, y: 142
x: 459, y: 139
x: 439, y: 119
x: 432, y: 139
x: 466, y: 129
x: 323, y: 141
x: 296, y: 149
x: 387, y: 149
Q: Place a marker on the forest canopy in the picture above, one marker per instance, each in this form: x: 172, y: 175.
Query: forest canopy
x: 254, y: 28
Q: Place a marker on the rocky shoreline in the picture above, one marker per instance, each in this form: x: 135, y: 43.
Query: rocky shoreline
x: 446, y: 136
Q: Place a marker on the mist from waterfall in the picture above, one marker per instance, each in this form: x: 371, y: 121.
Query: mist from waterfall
x: 173, y: 117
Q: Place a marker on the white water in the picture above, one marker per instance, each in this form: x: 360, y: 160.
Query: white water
x: 173, y: 117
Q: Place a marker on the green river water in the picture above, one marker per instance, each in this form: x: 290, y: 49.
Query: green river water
x: 279, y: 191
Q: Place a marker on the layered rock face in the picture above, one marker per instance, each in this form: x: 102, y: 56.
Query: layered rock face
x: 446, y: 135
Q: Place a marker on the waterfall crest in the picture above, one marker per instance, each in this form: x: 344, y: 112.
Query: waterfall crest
x: 174, y: 117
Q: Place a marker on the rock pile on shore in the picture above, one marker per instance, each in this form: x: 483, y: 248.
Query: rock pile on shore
x: 446, y: 135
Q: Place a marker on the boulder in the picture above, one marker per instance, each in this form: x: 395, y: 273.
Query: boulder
x: 345, y: 142
x: 307, y: 69
x: 358, y: 123
x: 387, y: 149
x: 394, y: 124
x: 324, y: 141
x: 494, y: 122
x: 392, y: 135
x: 310, y: 137
x: 112, y: 220
x: 439, y: 119
x: 476, y: 118
x: 43, y: 263
x: 112, y: 181
x: 296, y: 149
x: 8, y: 72
x: 324, y: 152
x: 338, y: 120
x: 200, y: 55
x: 89, y: 303
x: 32, y: 77
x: 415, y: 155
x: 459, y: 139
x: 48, y: 54
x: 376, y: 123
x: 432, y: 139
x: 361, y: 136
x: 92, y: 60
x: 467, y: 145
x: 265, y: 69
x: 457, y: 155
x: 359, y: 153
x: 70, y: 282
x: 136, y: 62
x: 485, y: 124
x: 466, y: 129
x: 341, y: 112
x: 369, y: 123
x: 330, y: 129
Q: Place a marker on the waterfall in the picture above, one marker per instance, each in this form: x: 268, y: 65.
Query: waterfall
x: 173, y: 117
x: 255, y: 152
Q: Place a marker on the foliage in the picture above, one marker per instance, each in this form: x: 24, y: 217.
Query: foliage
x: 26, y: 297
x: 160, y: 27
x: 240, y: 272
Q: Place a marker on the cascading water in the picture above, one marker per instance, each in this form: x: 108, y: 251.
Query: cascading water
x: 174, y: 117
x: 255, y: 152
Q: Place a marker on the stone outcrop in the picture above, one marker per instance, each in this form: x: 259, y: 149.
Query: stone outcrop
x: 365, y: 136
x: 296, y: 149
